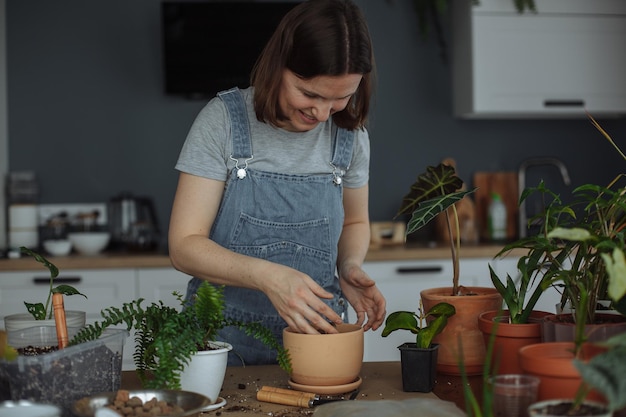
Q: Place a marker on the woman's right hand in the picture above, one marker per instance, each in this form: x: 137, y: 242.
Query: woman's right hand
x: 298, y: 300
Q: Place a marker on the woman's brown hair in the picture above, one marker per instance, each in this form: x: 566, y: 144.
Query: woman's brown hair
x: 317, y: 37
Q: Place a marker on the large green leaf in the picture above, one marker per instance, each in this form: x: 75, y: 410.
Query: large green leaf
x: 67, y: 290
x: 605, y: 372
x: 429, y: 209
x: 400, y: 320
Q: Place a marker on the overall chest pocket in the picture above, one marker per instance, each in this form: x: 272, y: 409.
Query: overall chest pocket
x: 305, y: 246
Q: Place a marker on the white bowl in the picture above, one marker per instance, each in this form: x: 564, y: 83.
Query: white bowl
x: 57, y: 247
x: 89, y: 243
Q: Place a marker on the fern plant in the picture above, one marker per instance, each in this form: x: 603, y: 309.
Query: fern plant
x: 435, y: 191
x: 167, y: 338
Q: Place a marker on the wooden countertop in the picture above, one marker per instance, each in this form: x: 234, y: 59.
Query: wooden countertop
x: 160, y: 260
x: 381, y: 381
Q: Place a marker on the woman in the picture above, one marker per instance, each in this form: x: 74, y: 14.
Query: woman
x: 272, y: 199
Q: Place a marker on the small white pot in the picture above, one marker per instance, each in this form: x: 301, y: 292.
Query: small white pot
x: 21, y: 321
x: 205, y: 372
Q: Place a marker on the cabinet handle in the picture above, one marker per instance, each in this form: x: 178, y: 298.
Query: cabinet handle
x: 564, y: 103
x: 418, y: 269
x: 57, y: 280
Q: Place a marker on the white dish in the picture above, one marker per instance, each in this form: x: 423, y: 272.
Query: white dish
x: 57, y: 247
x: 221, y: 402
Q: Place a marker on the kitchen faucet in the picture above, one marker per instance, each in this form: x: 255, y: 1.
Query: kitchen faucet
x: 521, y: 180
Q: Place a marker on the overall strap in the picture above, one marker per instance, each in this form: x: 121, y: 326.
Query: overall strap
x: 240, y: 126
x: 342, y: 153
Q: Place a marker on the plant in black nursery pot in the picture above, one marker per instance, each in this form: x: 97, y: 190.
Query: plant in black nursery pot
x: 419, y: 359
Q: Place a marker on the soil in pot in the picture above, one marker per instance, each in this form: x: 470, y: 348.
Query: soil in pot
x: 558, y: 408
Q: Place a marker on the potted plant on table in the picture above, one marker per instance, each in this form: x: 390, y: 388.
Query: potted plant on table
x: 419, y: 359
x: 580, y: 249
x: 435, y: 192
x: 40, y: 314
x: 173, y: 343
x: 520, y: 324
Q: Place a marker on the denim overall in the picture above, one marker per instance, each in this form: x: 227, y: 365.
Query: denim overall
x: 294, y: 220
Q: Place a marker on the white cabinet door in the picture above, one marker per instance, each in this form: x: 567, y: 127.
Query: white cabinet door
x: 560, y: 62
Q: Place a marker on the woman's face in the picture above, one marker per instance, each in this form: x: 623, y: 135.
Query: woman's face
x: 306, y: 103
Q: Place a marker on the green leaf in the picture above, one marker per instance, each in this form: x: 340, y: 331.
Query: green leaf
x: 400, y: 320
x: 54, y: 271
x: 576, y: 234
x: 38, y: 311
x: 442, y: 309
x: 429, y: 209
x: 616, y: 269
x: 605, y: 372
x: 425, y: 336
x: 67, y: 290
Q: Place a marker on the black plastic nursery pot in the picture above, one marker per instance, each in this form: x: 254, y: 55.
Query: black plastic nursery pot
x: 419, y: 367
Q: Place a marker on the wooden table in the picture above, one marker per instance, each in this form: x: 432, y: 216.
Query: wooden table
x: 381, y: 381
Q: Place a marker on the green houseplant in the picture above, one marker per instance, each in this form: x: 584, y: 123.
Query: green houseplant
x: 419, y: 359
x: 41, y: 314
x: 167, y: 337
x: 434, y: 193
x: 581, y: 242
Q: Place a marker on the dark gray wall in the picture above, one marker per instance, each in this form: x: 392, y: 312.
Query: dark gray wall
x: 87, y: 110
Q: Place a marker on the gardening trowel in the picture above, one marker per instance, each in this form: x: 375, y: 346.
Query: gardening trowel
x: 299, y: 398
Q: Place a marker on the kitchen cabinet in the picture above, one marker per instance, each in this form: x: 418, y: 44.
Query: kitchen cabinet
x: 565, y: 59
x: 401, y: 283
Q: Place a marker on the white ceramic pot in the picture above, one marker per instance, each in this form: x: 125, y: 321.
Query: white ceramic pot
x: 205, y: 372
x: 21, y: 321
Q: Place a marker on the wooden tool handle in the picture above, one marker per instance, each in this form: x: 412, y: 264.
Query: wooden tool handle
x: 59, y: 319
x: 287, y: 391
x: 282, y: 398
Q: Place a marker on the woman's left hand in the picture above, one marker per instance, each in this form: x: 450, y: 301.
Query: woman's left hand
x: 364, y: 296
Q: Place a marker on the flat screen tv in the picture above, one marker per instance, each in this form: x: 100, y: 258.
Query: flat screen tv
x: 212, y: 46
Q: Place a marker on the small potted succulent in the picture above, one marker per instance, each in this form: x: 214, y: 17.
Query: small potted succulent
x: 419, y: 359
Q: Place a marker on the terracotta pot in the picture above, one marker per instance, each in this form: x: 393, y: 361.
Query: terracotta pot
x: 509, y: 338
x: 205, y: 372
x: 462, y: 329
x: 543, y: 409
x: 561, y: 327
x: 419, y: 367
x: 553, y: 363
x: 325, y: 359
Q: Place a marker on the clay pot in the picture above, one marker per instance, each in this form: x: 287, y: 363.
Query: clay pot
x: 509, y: 338
x: 553, y: 363
x: 462, y: 329
x: 325, y: 359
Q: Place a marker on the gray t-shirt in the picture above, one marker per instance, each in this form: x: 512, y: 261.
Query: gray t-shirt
x: 207, y: 149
